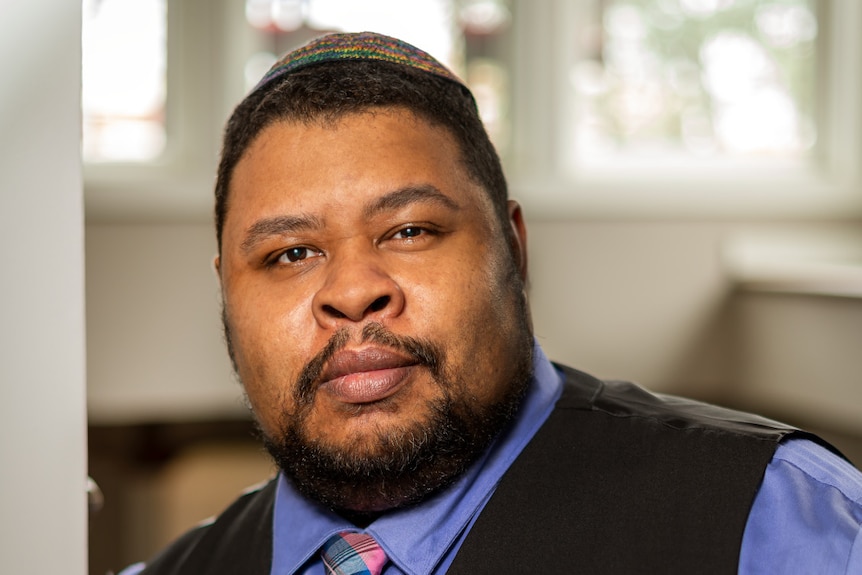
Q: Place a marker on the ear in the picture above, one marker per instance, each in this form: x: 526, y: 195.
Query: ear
x: 518, y: 236
x: 217, y: 265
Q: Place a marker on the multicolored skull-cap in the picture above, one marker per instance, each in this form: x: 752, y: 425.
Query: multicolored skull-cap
x: 356, y: 46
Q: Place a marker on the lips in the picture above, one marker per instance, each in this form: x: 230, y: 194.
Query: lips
x: 367, y: 375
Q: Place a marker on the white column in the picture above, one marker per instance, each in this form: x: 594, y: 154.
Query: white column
x: 43, y: 529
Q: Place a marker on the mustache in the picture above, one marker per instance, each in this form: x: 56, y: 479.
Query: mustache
x: 422, y: 351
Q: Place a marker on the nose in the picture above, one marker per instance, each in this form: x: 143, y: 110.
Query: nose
x: 357, y: 288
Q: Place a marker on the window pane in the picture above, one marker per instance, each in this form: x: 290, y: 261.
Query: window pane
x: 668, y: 80
x: 456, y: 32
x: 428, y: 24
x: 124, y: 78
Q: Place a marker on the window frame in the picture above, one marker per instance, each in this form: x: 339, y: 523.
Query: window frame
x: 177, y: 186
x: 827, y: 188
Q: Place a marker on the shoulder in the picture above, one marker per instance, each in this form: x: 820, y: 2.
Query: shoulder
x: 622, y: 399
x: 241, y: 533
x: 807, y: 515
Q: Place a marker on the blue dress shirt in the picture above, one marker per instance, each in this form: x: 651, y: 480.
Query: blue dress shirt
x: 806, y: 518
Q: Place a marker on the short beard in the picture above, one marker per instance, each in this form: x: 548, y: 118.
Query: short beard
x: 416, y: 460
x: 409, y: 463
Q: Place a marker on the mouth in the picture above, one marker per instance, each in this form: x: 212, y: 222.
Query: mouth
x: 367, y: 375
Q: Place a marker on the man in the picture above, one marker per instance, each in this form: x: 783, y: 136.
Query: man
x: 373, y: 274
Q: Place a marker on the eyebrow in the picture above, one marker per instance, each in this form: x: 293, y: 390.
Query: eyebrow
x: 406, y: 196
x: 282, y: 225
x: 276, y: 226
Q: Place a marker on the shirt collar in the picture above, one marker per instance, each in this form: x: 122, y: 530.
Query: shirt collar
x: 418, y: 538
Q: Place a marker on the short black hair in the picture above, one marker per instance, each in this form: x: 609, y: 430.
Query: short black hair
x: 328, y: 91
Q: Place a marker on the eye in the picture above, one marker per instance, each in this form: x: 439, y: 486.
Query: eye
x: 296, y: 254
x: 409, y: 232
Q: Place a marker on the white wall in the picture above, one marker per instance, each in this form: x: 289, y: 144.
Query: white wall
x: 658, y: 303
x: 625, y: 299
x: 42, y: 414
x: 155, y: 349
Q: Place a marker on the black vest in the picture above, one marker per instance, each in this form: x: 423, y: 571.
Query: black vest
x: 618, y: 480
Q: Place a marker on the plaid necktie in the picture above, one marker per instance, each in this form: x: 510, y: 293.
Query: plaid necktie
x: 352, y: 554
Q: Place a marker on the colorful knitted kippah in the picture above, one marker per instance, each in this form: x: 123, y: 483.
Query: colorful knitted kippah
x: 356, y: 46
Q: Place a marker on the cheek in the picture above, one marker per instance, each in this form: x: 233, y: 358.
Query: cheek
x: 268, y: 336
x: 268, y: 404
x: 470, y: 310
x: 443, y: 302
x: 270, y: 319
x: 492, y: 330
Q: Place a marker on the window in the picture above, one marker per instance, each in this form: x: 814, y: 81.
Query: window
x: 600, y: 108
x: 124, y: 79
x: 461, y: 34
x: 695, y: 108
x: 667, y: 81
x: 156, y: 161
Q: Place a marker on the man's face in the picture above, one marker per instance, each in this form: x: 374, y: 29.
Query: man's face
x: 373, y: 306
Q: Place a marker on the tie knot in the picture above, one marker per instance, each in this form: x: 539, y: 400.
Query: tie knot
x: 350, y: 553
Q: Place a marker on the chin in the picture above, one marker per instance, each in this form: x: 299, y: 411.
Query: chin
x: 384, y: 467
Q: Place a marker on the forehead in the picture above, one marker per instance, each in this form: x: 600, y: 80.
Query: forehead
x: 342, y: 165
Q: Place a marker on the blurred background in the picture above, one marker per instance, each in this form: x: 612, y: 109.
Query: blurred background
x: 689, y: 171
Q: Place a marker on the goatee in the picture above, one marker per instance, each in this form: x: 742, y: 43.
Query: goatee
x: 409, y: 462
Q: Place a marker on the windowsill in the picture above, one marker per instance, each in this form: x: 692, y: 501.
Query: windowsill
x: 714, y: 190
x: 812, y: 265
